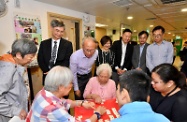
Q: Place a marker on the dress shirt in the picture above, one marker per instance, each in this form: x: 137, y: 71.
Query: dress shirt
x: 139, y: 112
x: 124, y: 46
x: 80, y: 64
x: 158, y: 54
x: 141, y: 49
x: 48, y: 108
x: 58, y: 43
x: 106, y: 91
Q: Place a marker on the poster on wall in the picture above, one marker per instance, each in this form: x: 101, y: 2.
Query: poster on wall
x: 28, y: 26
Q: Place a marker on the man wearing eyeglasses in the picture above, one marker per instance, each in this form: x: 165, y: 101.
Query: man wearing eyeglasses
x: 160, y: 51
x: 81, y: 63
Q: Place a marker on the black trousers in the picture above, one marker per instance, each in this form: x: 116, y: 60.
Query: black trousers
x: 82, y: 81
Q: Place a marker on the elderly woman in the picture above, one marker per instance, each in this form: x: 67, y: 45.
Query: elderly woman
x: 13, y: 91
x: 101, y: 87
x: 169, y: 96
x: 49, y: 104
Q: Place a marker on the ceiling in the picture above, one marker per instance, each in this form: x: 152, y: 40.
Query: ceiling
x: 145, y: 13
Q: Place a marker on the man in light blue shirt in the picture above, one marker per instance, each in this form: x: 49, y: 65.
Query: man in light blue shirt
x: 132, y: 93
x: 160, y: 51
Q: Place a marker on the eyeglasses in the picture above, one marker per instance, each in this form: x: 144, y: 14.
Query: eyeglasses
x: 89, y: 51
x: 157, y: 36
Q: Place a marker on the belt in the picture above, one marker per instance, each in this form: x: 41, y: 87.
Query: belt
x: 83, y: 75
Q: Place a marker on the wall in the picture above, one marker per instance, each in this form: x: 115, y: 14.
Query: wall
x: 99, y: 33
x: 115, y: 36
x: 31, y: 7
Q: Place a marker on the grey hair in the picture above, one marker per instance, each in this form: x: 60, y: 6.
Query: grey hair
x: 57, y: 23
x: 58, y: 76
x: 88, y: 38
x: 103, y: 67
x: 24, y: 47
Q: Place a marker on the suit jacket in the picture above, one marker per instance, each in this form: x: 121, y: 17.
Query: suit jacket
x: 142, y: 59
x: 65, y: 50
x: 117, y: 49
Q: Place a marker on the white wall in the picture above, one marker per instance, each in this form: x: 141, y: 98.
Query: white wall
x: 33, y: 8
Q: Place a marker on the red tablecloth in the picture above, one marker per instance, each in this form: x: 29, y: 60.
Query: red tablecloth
x: 83, y: 113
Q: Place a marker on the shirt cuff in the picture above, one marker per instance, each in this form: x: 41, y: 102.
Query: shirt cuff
x: 116, y: 67
x: 125, y: 69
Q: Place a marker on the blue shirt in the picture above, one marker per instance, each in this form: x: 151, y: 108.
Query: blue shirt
x: 139, y: 112
x: 158, y: 54
x: 80, y: 64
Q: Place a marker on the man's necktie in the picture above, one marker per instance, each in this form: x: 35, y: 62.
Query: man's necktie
x: 53, y: 55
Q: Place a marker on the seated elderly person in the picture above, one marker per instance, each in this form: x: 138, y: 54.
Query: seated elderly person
x: 101, y: 87
x: 49, y: 104
x: 13, y: 89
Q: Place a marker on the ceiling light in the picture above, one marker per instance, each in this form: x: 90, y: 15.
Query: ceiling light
x: 151, y: 26
x: 100, y: 25
x: 135, y: 30
x: 169, y: 32
x: 184, y: 10
x: 129, y: 17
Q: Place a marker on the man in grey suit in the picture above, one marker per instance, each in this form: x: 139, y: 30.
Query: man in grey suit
x: 139, y: 53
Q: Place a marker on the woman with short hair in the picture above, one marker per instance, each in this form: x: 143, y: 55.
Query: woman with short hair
x: 101, y: 87
x: 13, y: 90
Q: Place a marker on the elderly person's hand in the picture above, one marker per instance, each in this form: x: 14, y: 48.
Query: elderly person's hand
x: 98, y: 99
x: 88, y: 105
x: 23, y: 114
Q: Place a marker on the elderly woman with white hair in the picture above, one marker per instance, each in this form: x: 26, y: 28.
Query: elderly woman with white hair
x: 49, y: 104
x: 101, y: 87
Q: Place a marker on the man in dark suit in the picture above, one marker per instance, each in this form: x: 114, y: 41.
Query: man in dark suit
x: 61, y: 53
x: 139, y: 52
x: 123, y: 55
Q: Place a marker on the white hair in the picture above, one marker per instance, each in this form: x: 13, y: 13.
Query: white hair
x: 56, y: 77
x: 103, y: 67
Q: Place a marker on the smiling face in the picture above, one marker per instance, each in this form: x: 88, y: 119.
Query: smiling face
x: 126, y: 37
x: 24, y: 61
x: 142, y: 39
x: 107, y: 45
x: 57, y: 32
x: 89, y: 48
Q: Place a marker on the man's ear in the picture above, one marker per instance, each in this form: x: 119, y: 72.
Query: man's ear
x: 125, y: 96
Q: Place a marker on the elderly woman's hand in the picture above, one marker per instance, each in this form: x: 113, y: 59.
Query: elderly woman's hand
x: 89, y: 105
x: 98, y: 99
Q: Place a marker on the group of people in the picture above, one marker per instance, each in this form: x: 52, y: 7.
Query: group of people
x: 122, y: 72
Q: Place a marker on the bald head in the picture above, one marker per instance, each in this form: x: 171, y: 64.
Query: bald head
x: 89, y: 46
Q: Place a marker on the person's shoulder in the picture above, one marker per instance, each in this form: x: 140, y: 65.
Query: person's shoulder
x: 77, y: 53
x: 65, y: 41
x: 46, y: 41
x: 160, y: 118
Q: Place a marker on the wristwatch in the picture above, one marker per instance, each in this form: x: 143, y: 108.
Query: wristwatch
x: 98, y: 115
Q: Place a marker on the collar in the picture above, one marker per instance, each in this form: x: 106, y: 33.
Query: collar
x: 163, y: 42
x: 135, y: 107
x: 58, y: 41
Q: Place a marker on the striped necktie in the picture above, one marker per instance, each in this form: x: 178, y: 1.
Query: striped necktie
x: 53, y: 55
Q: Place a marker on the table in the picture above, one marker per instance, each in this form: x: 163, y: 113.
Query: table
x: 112, y: 107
